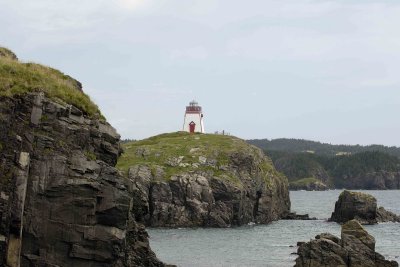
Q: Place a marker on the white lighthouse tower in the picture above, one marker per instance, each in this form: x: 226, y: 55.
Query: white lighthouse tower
x: 193, y: 122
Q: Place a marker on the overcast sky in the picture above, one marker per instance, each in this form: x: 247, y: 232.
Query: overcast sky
x: 319, y: 70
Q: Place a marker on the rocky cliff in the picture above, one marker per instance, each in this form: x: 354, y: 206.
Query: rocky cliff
x: 377, y: 180
x: 188, y: 180
x: 62, y: 202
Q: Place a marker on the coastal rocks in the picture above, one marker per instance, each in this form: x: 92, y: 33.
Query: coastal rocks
x: 201, y: 191
x: 360, y: 206
x: 295, y: 216
x: 383, y: 215
x: 62, y: 202
x: 355, y: 205
x: 356, y: 248
x: 308, y: 184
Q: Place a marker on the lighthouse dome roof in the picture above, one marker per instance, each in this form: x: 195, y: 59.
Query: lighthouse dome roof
x: 193, y: 103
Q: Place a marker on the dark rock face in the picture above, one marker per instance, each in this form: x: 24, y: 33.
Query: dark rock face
x: 355, y: 205
x: 62, y: 202
x: 360, y: 206
x: 356, y: 248
x: 202, y: 199
x: 380, y: 180
x: 295, y: 216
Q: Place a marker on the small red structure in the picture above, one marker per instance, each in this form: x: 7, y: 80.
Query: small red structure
x: 192, y: 127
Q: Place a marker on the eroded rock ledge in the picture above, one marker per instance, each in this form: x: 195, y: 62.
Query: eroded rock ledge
x: 62, y: 202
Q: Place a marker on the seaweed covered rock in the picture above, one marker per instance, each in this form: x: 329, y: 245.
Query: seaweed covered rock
x: 62, y: 202
x: 355, y: 248
x: 360, y: 206
x: 186, y: 180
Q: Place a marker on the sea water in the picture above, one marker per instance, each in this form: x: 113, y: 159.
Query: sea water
x: 273, y: 244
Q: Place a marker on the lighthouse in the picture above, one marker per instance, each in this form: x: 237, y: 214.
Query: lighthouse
x: 193, y: 122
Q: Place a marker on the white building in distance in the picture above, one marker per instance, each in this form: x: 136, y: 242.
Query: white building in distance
x: 193, y: 122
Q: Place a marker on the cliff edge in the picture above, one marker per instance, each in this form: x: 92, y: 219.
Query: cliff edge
x: 62, y: 202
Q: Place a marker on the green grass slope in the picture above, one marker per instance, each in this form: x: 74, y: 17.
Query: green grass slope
x: 183, y: 152
x: 18, y: 78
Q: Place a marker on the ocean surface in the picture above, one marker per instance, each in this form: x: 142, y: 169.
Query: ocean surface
x: 272, y: 244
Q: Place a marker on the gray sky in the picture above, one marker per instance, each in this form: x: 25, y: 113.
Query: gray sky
x: 320, y: 70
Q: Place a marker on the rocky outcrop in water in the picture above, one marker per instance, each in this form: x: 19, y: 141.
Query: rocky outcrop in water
x: 301, y: 217
x: 355, y: 205
x: 360, y: 206
x: 217, y: 187
x: 356, y: 248
x: 62, y: 202
x: 383, y: 215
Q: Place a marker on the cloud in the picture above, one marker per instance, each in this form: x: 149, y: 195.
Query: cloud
x: 191, y: 53
x: 295, y: 56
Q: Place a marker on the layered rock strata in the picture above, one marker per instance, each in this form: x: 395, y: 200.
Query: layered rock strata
x: 356, y: 248
x: 62, y: 202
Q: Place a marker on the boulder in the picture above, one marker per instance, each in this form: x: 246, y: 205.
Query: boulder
x: 355, y: 205
x: 356, y: 248
x: 360, y: 206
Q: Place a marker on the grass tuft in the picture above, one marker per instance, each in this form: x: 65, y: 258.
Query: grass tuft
x: 18, y: 78
x: 7, y: 53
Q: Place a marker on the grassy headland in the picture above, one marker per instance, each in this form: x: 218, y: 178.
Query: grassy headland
x: 17, y: 78
x: 183, y: 152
